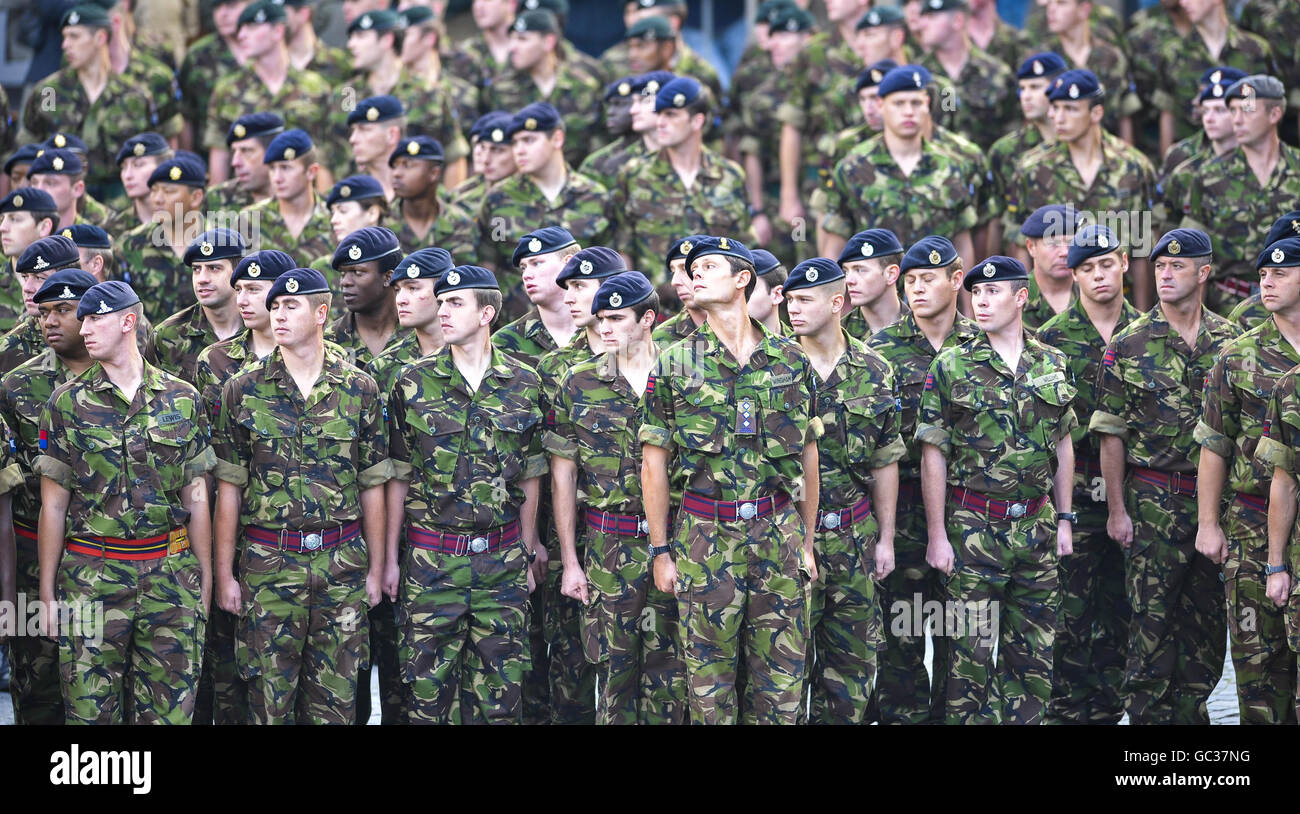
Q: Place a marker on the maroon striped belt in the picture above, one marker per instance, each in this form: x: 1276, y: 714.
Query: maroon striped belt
x: 1235, y: 286
x: 994, y: 508
x: 838, y: 519
x: 461, y: 544
x: 24, y: 534
x: 303, y: 542
x: 1259, y: 504
x: 628, y: 525
x: 1175, y: 482
x: 732, y: 510
x: 1089, y: 467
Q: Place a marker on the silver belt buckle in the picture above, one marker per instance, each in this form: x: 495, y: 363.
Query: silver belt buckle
x: 643, y: 526
x: 748, y: 511
x: 1017, y: 510
x: 831, y: 520
x: 312, y: 541
x: 478, y: 545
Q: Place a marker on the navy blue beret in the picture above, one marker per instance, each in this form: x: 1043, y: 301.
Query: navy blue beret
x: 930, y: 252
x: 287, y: 146
x: 870, y: 243
x: 904, y: 77
x: 23, y: 155
x: 619, y: 88
x: 376, y: 109
x: 1286, y: 226
x: 883, y: 15
x: 541, y: 241
x: 995, y: 269
x: 382, y: 20
x: 215, y: 244
x: 254, y: 125
x: 679, y: 92
x: 425, y: 148
x: 873, y: 74
x: 180, y: 170
x: 651, y: 29
x: 538, y: 21
x: 1261, y: 86
x: 261, y: 11
x: 428, y: 263
x: 592, y: 263
x: 1285, y: 253
x: 141, y: 145
x: 1054, y: 219
x: 623, y: 290
x: 1076, y: 83
x: 680, y: 249
x: 1043, y: 65
x: 107, y: 298
x: 1221, y: 73
x: 460, y: 277
x: 267, y: 264
x: 66, y: 141
x: 936, y: 6
x: 28, y: 199
x: 1091, y: 241
x: 812, y: 273
x: 536, y: 117
x: 707, y: 244
x: 355, y: 188
x: 652, y: 81
x: 66, y: 284
x: 299, y: 281
x: 56, y: 162
x: 53, y: 252
x: 492, y: 127
x: 1183, y: 243
x: 87, y: 236
x: 366, y: 244
x: 764, y: 261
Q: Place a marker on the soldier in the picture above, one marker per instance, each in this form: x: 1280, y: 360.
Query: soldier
x: 629, y: 626
x: 1092, y: 623
x: 935, y: 192
x: 210, y: 58
x: 991, y: 33
x: 468, y: 458
x: 653, y: 44
x: 537, y: 73
x: 139, y: 157
x: 16, y: 165
x: 1186, y: 158
x: 1227, y: 194
x: 306, y: 51
x: 492, y: 160
x: 302, y: 470
x: 87, y: 97
x: 565, y: 50
x: 1149, y: 391
x: 619, y: 135
x: 685, y: 61
x: 604, y: 164
x: 765, y: 301
x: 63, y: 175
x: 858, y: 485
x: 35, y: 659
x: 985, y: 106
x: 544, y: 190
x: 424, y: 217
x: 124, y: 522
x: 302, y: 97
x: 686, y: 321
x: 1048, y: 232
x: 86, y: 206
x: 215, y: 316
x: 1189, y: 147
x: 247, y: 140
x: 755, y: 65
x: 146, y: 67
x: 152, y: 253
x: 540, y: 257
x: 1085, y: 167
x: 741, y: 558
x: 870, y: 263
x: 364, y: 260
x: 932, y: 275
x: 1032, y: 80
x: 295, y: 215
x: 354, y: 202
x: 489, y: 49
x: 26, y: 215
x: 1233, y: 421
x: 37, y: 262
x: 1251, y: 311
x: 417, y: 313
x: 996, y: 414
x: 683, y: 188
x: 422, y: 57
x: 94, y: 250
x: 1072, y: 36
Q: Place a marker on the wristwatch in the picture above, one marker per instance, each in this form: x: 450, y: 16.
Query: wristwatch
x: 655, y: 551
x: 755, y: 211
x: 1270, y: 570
x: 1073, y: 517
x: 532, y: 556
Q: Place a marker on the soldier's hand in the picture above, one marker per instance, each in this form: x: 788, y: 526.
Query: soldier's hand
x: 761, y: 226
x: 229, y: 597
x: 938, y: 553
x: 791, y: 211
x: 540, y: 564
x: 374, y: 588
x: 49, y: 617
x: 665, y: 569
x: 532, y: 579
x: 574, y: 583
x: 810, y: 563
x: 392, y: 576
x: 1064, y: 539
x: 1120, y: 529
x: 1279, y: 588
x: 1211, y: 542
x: 884, y: 560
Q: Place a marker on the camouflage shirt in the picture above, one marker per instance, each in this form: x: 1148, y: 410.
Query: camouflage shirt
x: 465, y: 452
x: 525, y: 339
x: 452, y: 230
x: 147, y: 71
x: 1150, y: 385
x: 1111, y: 67
x: 180, y: 339
x: 998, y: 429
x: 1038, y: 311
x: 24, y: 392
x: 673, y: 330
x: 12, y: 306
x: 344, y: 334
x: 208, y: 60
x: 305, y: 99
x: 1249, y: 313
x: 855, y: 323
x: 20, y: 344
x: 695, y: 407
x: 1179, y: 62
x: 217, y: 363
x: 272, y: 232
x: 603, y: 165
x: 429, y: 112
x: 155, y: 271
x: 302, y: 463
x: 469, y: 194
x: 986, y: 96
x: 576, y: 97
x: 392, y: 360
x: 552, y: 366
x: 124, y: 464
x: 1277, y: 447
x: 1105, y: 23
x: 228, y: 196
x: 811, y: 106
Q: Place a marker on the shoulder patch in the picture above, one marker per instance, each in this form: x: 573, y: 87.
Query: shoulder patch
x: 929, y: 381
x: 1109, y: 359
x: 1267, y: 426
x: 650, y: 385
x: 43, y: 440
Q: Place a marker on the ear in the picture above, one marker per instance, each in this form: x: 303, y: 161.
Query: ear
x: 79, y: 189
x: 1203, y: 272
x: 778, y: 294
x: 957, y: 277
x: 1096, y: 113
x: 891, y: 273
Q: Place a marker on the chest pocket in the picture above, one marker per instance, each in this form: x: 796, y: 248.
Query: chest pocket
x: 511, y: 438
x: 703, y: 416
x: 437, y: 439
x: 274, y: 446
x: 337, y: 449
x: 94, y: 450
x: 1253, y: 390
x: 981, y: 416
x: 1159, y: 402
x: 601, y: 432
x: 1050, y: 403
x: 783, y: 429
x: 910, y: 387
x: 860, y: 420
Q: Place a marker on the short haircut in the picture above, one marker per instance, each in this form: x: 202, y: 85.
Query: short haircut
x: 650, y: 303
x: 737, y: 266
x: 109, y: 264
x: 775, y: 277
x: 703, y: 104
x: 1017, y: 285
x: 483, y: 297
x: 887, y: 260
x: 317, y: 300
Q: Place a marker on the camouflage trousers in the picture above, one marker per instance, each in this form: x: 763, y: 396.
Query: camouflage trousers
x: 152, y: 636
x: 1092, y: 624
x: 1265, y: 665
x: 304, y: 633
x: 742, y: 594
x: 630, y: 632
x: 33, y: 660
x: 537, y: 679
x: 844, y: 620
x: 1176, y: 633
x: 464, y: 627
x: 905, y: 694
x: 223, y: 695
x: 571, y: 677
x: 1004, y: 595
x: 384, y: 641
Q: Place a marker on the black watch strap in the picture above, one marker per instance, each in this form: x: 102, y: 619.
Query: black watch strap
x: 655, y: 551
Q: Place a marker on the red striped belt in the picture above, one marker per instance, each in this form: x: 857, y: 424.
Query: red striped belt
x: 1259, y: 504
x: 628, y: 525
x: 1234, y: 286
x: 1175, y: 482
x: 909, y: 490
x: 994, y: 508
x: 1090, y: 467
x: 122, y: 548
x: 303, y: 542
x: 463, y: 545
x: 844, y: 518
x: 732, y: 510
x: 24, y: 532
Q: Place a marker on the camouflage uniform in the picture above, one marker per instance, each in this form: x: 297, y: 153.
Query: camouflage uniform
x: 156, y: 272
x: 673, y: 330
x: 1179, y: 62
x: 1106, y: 24
x: 1249, y: 313
x: 469, y: 194
x: 1038, y: 311
x: 515, y: 205
x: 1111, y: 67
x: 1092, y: 625
x: 464, y: 615
x: 428, y: 112
x: 629, y: 627
x: 1008, y: 44
x: 576, y: 96
x: 742, y: 592
x: 343, y: 333
x: 125, y: 466
x: 452, y: 230
x: 855, y: 324
x: 315, y: 239
x: 148, y: 71
x: 1003, y: 156
x: 1233, y: 420
x: 526, y: 339
x: 1149, y: 29
x: 302, y: 464
x: 180, y: 339
x: 305, y: 99
x: 819, y: 92
x: 1277, y: 449
x: 12, y: 307
x: 207, y: 60
x: 604, y: 165
x: 998, y: 430
x: 985, y: 99
x: 1226, y: 196
x: 652, y: 209
x: 22, y: 343
x: 1268, y: 19
x: 1148, y: 394
x: 228, y: 196
x: 861, y: 421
